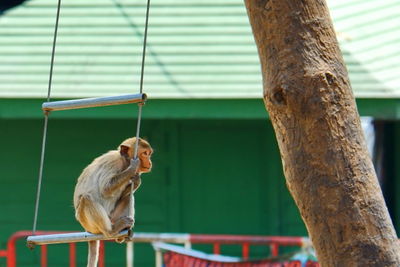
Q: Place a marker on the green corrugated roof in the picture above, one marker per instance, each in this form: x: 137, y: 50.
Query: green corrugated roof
x: 369, y: 35
x: 196, y: 48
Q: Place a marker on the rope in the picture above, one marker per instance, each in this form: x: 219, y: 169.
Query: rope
x: 46, y: 118
x: 138, y: 130
x: 144, y: 45
x: 53, y: 52
x: 141, y: 91
x: 142, y: 77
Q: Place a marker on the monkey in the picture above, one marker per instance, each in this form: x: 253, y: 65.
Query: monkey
x: 103, y: 191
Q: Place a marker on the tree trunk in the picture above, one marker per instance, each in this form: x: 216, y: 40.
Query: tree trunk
x: 325, y: 160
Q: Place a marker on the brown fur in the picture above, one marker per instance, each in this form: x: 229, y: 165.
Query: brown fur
x: 102, y: 192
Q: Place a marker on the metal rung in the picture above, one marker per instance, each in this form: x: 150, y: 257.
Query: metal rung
x: 93, y: 102
x: 85, y: 236
x: 70, y: 238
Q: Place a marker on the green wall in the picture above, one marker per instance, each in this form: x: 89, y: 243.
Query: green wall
x: 209, y: 176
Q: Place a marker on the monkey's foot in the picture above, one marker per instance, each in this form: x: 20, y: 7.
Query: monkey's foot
x: 121, y: 240
x: 121, y: 224
x: 125, y: 239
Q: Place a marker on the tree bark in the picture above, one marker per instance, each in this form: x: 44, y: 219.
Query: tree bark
x: 326, y: 163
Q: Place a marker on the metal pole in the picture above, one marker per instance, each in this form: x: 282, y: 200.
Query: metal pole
x: 93, y: 102
x: 158, y: 258
x: 188, y: 245
x: 130, y: 254
x: 70, y: 238
x: 85, y: 237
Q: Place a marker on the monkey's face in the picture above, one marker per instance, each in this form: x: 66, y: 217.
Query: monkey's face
x: 145, y: 151
x: 144, y: 155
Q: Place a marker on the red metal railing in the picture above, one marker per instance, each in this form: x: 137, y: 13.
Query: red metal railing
x: 274, y: 242
x: 10, y: 253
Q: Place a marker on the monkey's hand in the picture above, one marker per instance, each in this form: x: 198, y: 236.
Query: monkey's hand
x: 136, y: 181
x: 132, y: 168
x: 135, y: 177
x: 120, y: 180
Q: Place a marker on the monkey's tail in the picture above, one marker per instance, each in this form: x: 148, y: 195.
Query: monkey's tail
x: 93, y: 254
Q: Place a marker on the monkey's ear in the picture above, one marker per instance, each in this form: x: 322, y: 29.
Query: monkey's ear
x: 124, y: 150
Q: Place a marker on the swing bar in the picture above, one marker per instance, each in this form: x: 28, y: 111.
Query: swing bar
x: 93, y: 102
x: 50, y: 239
x: 71, y: 238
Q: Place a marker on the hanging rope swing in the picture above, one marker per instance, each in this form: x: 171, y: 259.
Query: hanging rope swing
x: 49, y: 106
